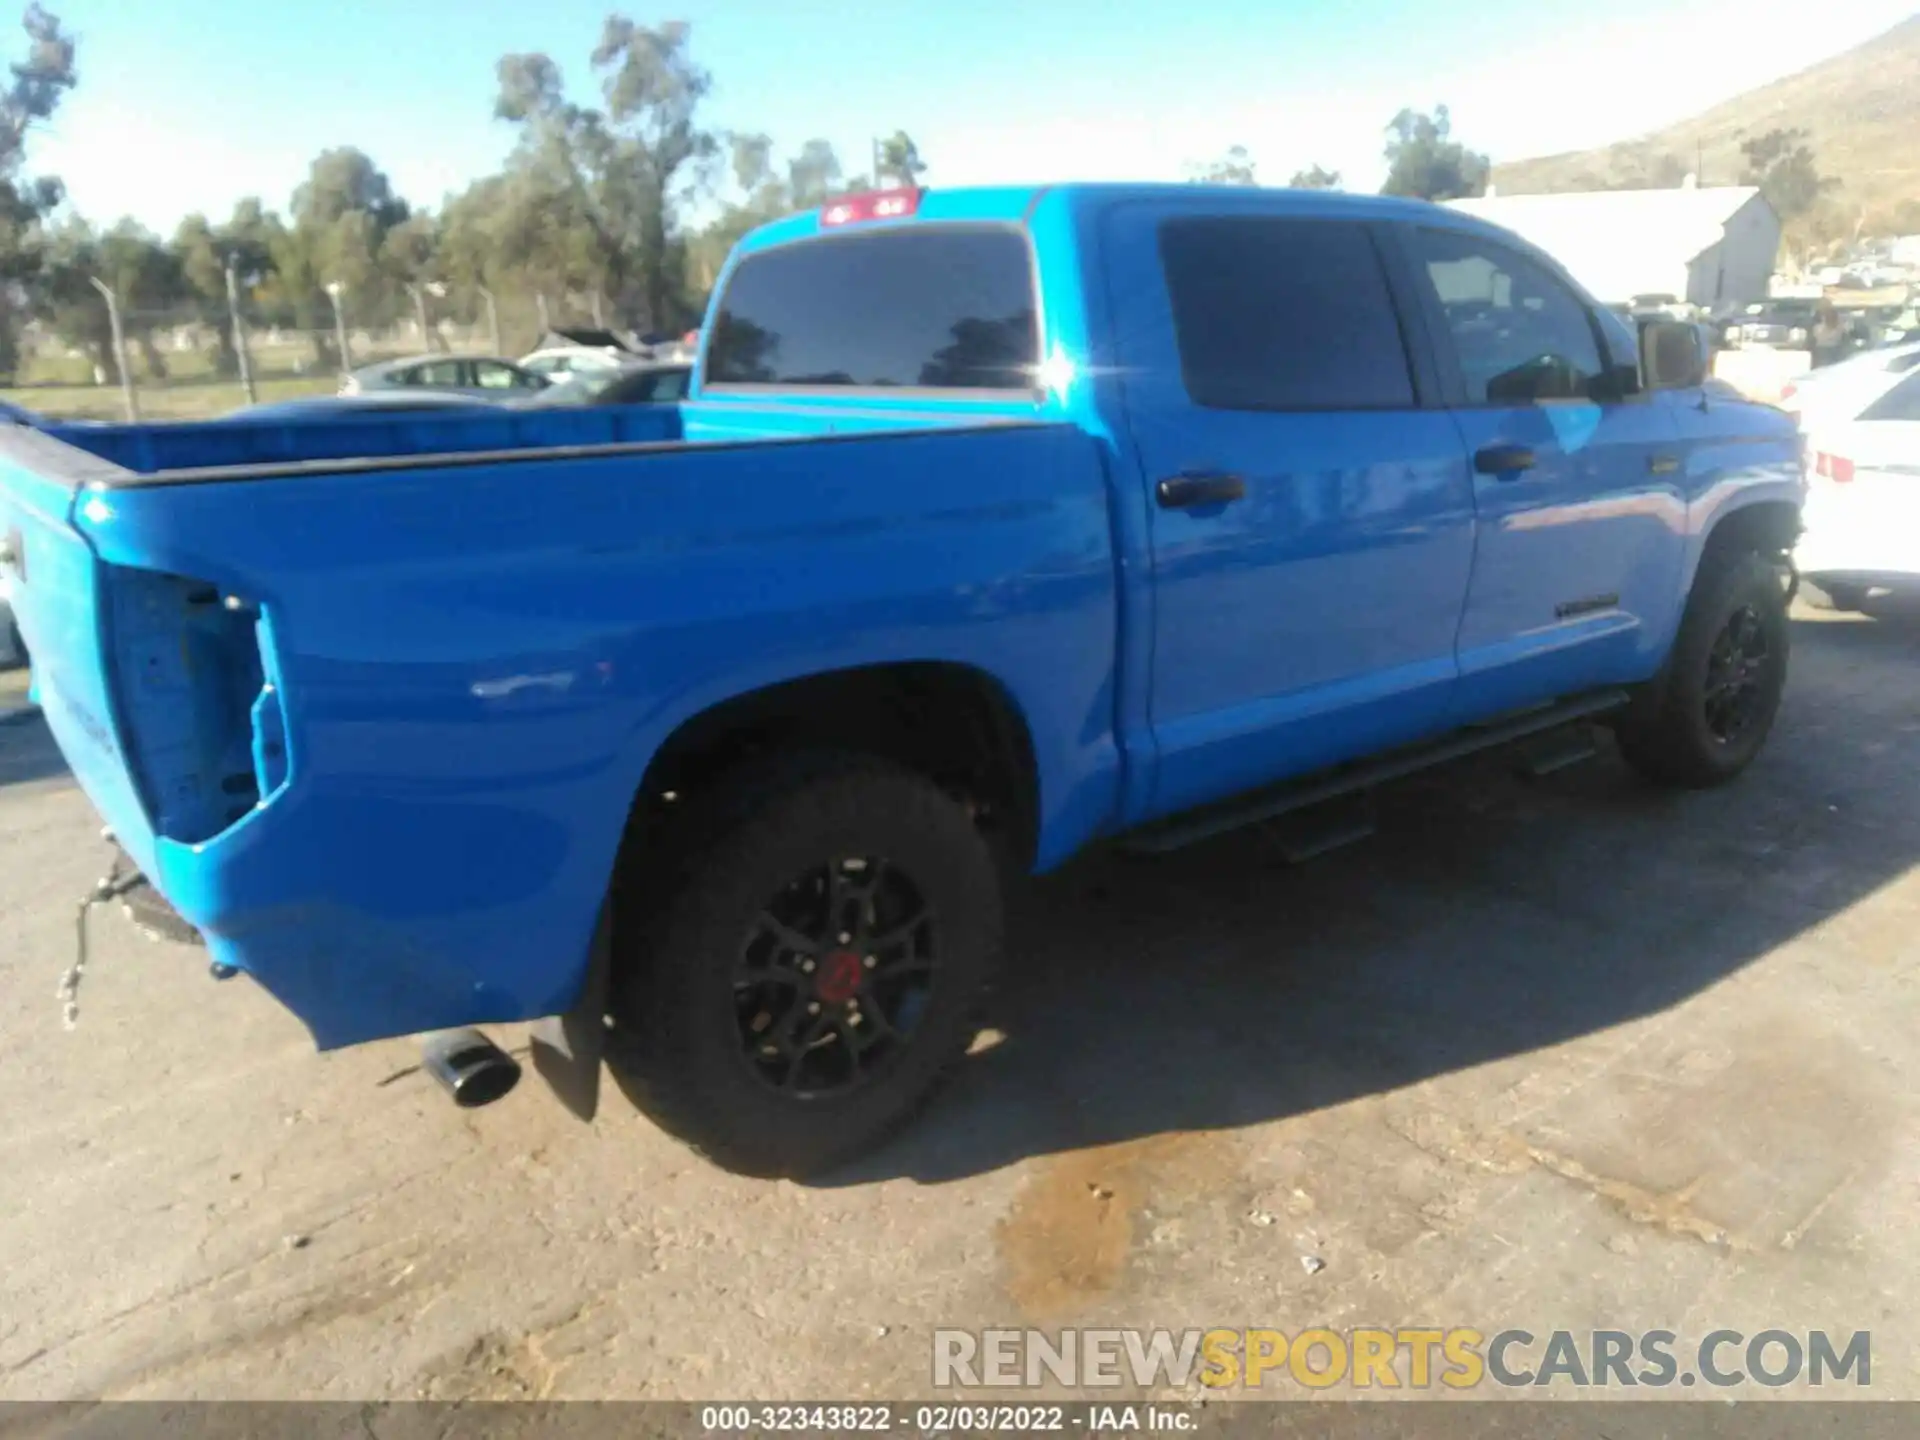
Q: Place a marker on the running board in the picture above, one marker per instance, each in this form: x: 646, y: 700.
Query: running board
x: 1268, y: 804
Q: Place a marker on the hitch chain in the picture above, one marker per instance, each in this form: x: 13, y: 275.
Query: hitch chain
x: 117, y: 882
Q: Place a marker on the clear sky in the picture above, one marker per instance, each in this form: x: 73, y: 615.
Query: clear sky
x: 190, y: 104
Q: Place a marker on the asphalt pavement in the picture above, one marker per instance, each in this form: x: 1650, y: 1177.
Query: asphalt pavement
x: 1558, y: 1054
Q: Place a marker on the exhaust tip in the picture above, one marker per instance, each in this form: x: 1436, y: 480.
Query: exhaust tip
x: 469, y: 1067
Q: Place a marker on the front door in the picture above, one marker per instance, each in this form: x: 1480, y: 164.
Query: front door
x: 1309, y: 506
x: 1579, y: 484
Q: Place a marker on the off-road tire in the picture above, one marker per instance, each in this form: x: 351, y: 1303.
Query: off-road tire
x: 680, y: 1053
x: 1665, y: 734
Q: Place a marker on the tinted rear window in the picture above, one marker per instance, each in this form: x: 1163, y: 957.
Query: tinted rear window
x: 945, y: 308
x: 1282, y: 314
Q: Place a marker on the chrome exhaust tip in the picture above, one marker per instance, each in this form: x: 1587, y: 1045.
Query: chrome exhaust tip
x: 469, y: 1067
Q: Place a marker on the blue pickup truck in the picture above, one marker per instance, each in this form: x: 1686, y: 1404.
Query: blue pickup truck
x: 997, y: 523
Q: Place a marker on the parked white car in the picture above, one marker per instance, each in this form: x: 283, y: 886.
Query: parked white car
x: 562, y: 360
x: 1861, y: 420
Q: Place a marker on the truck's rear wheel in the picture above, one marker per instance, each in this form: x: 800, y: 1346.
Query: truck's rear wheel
x: 815, y: 974
x: 1721, y: 690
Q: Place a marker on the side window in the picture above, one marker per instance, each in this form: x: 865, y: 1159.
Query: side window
x: 669, y: 386
x: 490, y: 375
x: 1282, y: 314
x: 1519, y: 334
x: 1902, y: 402
x: 441, y: 374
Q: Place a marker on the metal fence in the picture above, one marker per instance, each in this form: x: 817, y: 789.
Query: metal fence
x: 186, y: 362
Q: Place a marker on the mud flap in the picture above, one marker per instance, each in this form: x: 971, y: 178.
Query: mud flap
x: 568, y: 1049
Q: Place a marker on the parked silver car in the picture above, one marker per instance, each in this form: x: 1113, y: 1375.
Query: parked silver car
x: 481, y: 375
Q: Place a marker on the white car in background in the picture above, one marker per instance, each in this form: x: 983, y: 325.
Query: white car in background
x: 559, y: 361
x: 1861, y: 420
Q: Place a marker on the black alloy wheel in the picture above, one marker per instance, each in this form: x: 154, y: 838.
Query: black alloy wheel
x: 835, y: 975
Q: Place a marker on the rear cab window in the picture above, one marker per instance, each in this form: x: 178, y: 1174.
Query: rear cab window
x: 918, y: 307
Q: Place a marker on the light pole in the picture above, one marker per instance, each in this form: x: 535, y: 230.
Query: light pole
x: 334, y: 291
x: 119, y: 349
x: 493, y: 317
x: 239, y: 330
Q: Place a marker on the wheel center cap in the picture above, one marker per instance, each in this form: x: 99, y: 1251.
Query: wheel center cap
x: 839, y: 976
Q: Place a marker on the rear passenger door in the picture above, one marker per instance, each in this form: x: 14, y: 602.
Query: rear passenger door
x: 1579, y: 482
x: 1310, y: 514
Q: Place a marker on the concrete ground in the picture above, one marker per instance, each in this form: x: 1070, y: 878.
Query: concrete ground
x: 1557, y: 1054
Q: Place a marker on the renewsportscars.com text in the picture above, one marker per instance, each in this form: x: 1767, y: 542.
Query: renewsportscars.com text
x: 1460, y: 1358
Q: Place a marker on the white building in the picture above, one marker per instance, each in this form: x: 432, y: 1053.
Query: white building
x: 1706, y: 247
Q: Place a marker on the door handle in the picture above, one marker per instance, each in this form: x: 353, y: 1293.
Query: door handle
x: 1663, y: 464
x: 1184, y: 492
x: 1504, y: 462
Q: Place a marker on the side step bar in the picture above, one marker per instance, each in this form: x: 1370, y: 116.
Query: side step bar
x: 1212, y: 820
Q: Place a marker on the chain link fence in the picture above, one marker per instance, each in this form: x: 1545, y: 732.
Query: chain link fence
x: 193, y: 362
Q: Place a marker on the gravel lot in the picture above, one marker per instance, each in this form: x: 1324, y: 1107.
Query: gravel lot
x: 1555, y: 1054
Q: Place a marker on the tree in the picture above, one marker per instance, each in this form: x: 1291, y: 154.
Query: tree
x: 409, y: 256
x: 616, y: 176
x: 813, y: 176
x: 301, y: 275
x: 64, y: 298
x: 343, y: 213
x: 38, y: 83
x: 1233, y: 168
x: 1425, y: 161
x: 898, y: 161
x: 760, y: 193
x: 1782, y: 165
x: 202, y: 251
x: 1315, y: 179
x: 143, y: 274
x: 145, y: 277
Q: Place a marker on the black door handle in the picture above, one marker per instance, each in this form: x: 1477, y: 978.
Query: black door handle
x: 1504, y: 462
x: 1184, y: 492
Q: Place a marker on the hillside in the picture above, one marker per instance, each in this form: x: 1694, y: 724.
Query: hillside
x: 1861, y: 110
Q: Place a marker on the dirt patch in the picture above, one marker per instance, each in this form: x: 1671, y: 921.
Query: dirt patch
x: 1069, y: 1236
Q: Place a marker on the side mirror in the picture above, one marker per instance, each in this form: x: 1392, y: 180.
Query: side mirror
x: 1673, y: 355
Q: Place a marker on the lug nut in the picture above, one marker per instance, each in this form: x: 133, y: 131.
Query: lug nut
x: 813, y: 1007
x: 871, y: 961
x: 806, y: 967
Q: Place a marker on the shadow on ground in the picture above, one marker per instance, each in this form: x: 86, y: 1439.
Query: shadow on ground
x: 27, y: 751
x: 1490, y: 916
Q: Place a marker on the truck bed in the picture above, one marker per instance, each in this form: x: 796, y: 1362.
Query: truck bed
x: 373, y: 722
x: 216, y: 449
